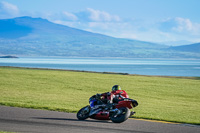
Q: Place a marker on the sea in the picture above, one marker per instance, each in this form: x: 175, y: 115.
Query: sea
x: 158, y: 67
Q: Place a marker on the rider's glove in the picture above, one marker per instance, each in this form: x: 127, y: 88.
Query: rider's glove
x: 122, y: 96
x: 98, y: 95
x: 108, y: 93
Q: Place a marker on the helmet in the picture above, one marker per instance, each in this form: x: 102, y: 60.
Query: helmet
x: 116, y: 87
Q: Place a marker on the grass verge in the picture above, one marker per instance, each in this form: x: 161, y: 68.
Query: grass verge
x: 6, y: 132
x: 160, y: 98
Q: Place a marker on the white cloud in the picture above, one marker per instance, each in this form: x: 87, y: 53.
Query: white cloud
x: 70, y: 16
x: 86, y: 16
x: 115, y: 29
x: 8, y: 10
x: 180, y: 26
x: 186, y: 25
x: 96, y: 15
x: 90, y: 20
x: 69, y: 23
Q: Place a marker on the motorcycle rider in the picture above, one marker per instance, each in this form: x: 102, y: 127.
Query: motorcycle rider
x: 106, y: 100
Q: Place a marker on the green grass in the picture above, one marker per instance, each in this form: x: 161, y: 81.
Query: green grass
x: 5, y: 132
x: 160, y: 98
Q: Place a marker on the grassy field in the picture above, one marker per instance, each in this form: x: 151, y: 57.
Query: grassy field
x: 5, y: 132
x: 160, y: 98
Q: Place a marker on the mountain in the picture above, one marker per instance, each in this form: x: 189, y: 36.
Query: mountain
x: 176, y: 43
x: 195, y: 48
x: 26, y: 36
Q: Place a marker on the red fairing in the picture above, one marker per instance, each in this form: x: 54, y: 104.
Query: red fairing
x: 122, y: 92
x: 118, y: 92
x: 127, y: 104
x: 103, y: 115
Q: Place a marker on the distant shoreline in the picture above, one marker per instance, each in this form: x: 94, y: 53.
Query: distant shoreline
x: 115, y: 73
x: 66, y: 57
x: 8, y: 56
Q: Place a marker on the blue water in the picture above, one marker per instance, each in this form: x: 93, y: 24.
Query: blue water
x: 163, y: 67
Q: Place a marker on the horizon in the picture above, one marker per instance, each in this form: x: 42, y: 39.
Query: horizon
x: 158, y: 22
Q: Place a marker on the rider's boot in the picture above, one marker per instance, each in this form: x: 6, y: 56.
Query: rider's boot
x: 132, y: 113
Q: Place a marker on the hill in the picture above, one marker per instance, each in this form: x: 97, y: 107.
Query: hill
x: 26, y: 36
x: 188, y: 48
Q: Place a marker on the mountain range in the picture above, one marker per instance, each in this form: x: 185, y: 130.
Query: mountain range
x: 26, y: 36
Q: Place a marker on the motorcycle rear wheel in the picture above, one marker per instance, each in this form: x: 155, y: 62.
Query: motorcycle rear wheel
x: 123, y: 116
x: 83, y: 113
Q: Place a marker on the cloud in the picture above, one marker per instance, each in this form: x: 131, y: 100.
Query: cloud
x: 8, y: 10
x: 180, y: 26
x: 92, y: 15
x: 90, y: 20
x: 98, y: 16
x: 116, y: 29
x: 70, y: 16
x: 186, y: 25
x: 104, y: 23
x: 86, y: 16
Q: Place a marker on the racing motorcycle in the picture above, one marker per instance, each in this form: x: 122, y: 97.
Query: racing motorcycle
x: 117, y: 112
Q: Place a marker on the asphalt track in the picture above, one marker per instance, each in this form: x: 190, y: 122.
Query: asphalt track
x: 40, y: 121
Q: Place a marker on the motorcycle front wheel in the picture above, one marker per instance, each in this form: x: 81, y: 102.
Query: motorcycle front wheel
x: 83, y: 113
x: 123, y: 116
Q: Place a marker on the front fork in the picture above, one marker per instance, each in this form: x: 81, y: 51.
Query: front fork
x: 132, y: 113
x: 86, y: 110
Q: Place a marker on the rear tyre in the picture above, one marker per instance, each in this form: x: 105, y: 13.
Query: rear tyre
x: 83, y: 113
x: 123, y: 116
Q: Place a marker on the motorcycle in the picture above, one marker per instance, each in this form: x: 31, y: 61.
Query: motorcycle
x: 117, y: 112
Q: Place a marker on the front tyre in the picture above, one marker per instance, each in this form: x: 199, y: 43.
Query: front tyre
x: 83, y: 113
x: 123, y: 116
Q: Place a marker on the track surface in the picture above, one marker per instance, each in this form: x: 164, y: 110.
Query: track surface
x: 40, y: 121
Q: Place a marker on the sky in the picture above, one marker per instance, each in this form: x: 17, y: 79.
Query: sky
x: 146, y: 20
